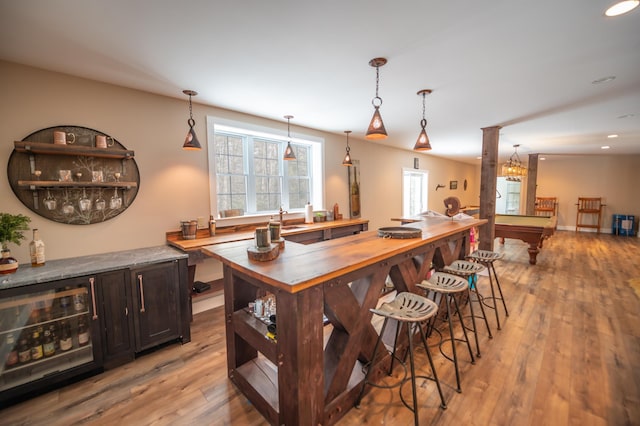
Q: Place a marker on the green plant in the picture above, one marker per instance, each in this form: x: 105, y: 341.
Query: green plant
x: 11, y: 227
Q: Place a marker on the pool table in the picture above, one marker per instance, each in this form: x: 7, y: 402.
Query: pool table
x: 530, y: 229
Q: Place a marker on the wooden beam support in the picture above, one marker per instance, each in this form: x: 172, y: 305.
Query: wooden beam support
x: 532, y: 184
x: 488, y: 185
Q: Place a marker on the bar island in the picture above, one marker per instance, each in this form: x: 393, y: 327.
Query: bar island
x: 304, y: 377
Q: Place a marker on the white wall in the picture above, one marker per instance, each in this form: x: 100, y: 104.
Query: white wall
x: 173, y: 182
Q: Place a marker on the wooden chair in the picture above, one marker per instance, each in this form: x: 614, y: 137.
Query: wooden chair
x: 591, y: 208
x: 546, y: 206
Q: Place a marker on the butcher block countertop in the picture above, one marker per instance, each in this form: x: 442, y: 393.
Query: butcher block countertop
x: 301, y: 266
x: 231, y: 234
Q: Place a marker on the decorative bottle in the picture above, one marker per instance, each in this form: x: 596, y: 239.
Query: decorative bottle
x: 355, y: 194
x: 212, y: 226
x: 36, y: 247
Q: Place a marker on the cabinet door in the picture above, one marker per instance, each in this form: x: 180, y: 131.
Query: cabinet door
x: 117, y: 317
x: 49, y: 333
x: 156, y: 296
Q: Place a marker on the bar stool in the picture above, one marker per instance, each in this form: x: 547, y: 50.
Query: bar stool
x: 410, y: 310
x: 469, y: 270
x: 448, y: 286
x: 487, y: 258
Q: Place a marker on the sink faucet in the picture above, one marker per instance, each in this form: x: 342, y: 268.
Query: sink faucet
x: 281, y: 213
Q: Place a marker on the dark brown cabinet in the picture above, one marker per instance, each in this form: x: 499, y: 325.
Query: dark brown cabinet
x: 141, y: 310
x: 117, y: 317
x: 111, y: 307
x: 156, y: 291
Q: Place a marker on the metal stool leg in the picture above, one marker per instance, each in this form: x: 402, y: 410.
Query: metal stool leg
x: 473, y: 286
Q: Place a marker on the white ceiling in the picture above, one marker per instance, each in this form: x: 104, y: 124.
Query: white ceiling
x: 525, y: 65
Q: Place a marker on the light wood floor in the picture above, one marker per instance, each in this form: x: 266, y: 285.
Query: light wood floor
x: 569, y: 354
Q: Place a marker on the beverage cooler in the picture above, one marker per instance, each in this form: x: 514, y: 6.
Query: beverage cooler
x: 48, y: 333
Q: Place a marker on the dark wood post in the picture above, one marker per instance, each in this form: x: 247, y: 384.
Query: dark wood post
x: 488, y: 185
x: 532, y: 184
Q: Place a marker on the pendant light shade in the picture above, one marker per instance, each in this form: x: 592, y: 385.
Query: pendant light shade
x: 422, y: 144
x: 376, y: 130
x: 347, y: 158
x: 288, y: 152
x: 191, y: 141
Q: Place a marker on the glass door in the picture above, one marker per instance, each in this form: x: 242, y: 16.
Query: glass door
x: 46, y: 332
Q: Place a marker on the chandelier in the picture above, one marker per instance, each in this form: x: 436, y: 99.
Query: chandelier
x: 513, y: 169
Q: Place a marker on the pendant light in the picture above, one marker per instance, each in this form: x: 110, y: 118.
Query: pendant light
x: 191, y: 141
x: 288, y: 153
x: 347, y: 158
x: 513, y: 169
x: 422, y: 144
x: 376, y: 130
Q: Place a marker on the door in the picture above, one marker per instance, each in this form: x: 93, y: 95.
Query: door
x: 49, y: 333
x: 117, y: 314
x: 156, y: 297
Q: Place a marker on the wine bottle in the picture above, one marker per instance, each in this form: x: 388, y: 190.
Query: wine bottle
x: 24, y: 350
x: 83, y: 332
x: 48, y: 345
x: 66, y: 342
x: 11, y: 351
x: 355, y: 194
x: 37, y: 351
x: 36, y: 249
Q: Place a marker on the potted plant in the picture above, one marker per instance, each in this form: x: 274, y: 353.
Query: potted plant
x: 11, y: 227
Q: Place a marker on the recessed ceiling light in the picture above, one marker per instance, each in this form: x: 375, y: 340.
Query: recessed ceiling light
x: 604, y: 79
x: 612, y: 136
x: 622, y: 7
x: 605, y: 147
x: 543, y: 158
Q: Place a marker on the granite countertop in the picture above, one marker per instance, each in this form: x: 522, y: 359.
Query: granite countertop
x: 87, y: 265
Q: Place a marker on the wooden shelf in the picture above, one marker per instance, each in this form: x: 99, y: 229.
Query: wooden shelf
x: 52, y: 149
x: 33, y: 184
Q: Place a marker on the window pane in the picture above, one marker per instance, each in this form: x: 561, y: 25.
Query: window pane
x: 251, y: 174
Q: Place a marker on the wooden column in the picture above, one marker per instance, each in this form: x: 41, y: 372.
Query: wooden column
x: 532, y: 184
x: 488, y: 185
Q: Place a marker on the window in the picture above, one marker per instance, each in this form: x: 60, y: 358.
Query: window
x: 249, y: 174
x: 414, y: 192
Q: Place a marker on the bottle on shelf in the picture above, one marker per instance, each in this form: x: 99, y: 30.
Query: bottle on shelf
x: 24, y: 350
x: 66, y: 341
x: 11, y: 350
x: 48, y: 344
x: 212, y: 226
x: 79, y: 302
x: 37, y: 351
x: 65, y: 304
x: 83, y: 332
x: 36, y: 248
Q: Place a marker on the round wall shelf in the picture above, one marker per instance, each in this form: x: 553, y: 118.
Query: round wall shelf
x: 85, y: 177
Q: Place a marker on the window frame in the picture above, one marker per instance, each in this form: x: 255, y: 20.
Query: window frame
x: 316, y: 174
x: 405, y: 190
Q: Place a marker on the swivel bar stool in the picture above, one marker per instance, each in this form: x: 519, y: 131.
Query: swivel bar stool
x: 410, y: 310
x: 469, y: 270
x: 448, y: 287
x: 487, y: 258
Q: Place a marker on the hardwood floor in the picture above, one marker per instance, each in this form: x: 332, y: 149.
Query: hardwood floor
x: 568, y: 354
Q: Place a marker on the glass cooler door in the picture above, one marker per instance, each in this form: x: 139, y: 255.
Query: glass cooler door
x: 46, y: 332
